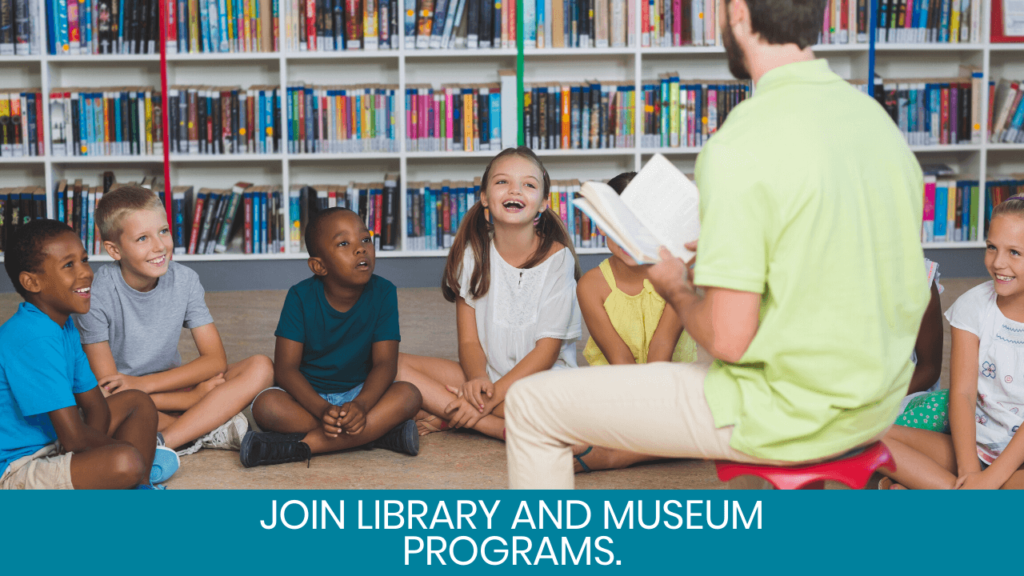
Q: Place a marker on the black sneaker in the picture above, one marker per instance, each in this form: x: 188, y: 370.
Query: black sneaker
x: 403, y: 438
x: 265, y: 448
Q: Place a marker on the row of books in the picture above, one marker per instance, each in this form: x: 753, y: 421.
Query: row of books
x: 687, y: 114
x: 20, y: 33
x: 587, y: 23
x: 377, y: 203
x: 1008, y: 111
x: 459, y: 24
x: 579, y: 116
x: 21, y: 124
x: 667, y: 23
x: 211, y: 120
x: 998, y: 190
x: 929, y: 21
x: 335, y: 25
x: 103, y: 26
x: 19, y: 206
x: 118, y: 121
x: 950, y: 209
x: 845, y: 22
x: 935, y: 111
x: 214, y: 219
x: 453, y: 118
x: 195, y: 26
x: 341, y: 119
x: 75, y: 204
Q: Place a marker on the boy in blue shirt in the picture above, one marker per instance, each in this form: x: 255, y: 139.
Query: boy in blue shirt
x: 56, y: 429
x: 336, y: 356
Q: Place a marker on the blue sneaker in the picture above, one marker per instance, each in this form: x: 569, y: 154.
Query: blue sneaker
x: 151, y: 487
x: 165, y: 464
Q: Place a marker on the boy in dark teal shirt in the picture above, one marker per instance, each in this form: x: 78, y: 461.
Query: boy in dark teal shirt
x: 336, y: 356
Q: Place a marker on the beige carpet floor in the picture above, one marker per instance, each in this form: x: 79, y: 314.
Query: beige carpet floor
x: 451, y: 460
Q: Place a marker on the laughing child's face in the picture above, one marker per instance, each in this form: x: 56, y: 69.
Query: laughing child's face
x: 62, y: 284
x: 346, y: 252
x: 1004, y: 254
x: 515, y: 191
x: 143, y: 248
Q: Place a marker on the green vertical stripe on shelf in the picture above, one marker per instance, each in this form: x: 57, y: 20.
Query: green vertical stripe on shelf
x: 520, y: 138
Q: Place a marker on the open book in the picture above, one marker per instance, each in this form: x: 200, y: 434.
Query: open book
x: 660, y: 207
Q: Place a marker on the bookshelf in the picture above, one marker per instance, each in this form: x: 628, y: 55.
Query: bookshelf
x: 402, y: 67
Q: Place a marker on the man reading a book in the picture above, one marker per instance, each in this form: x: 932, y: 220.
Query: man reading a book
x: 809, y: 258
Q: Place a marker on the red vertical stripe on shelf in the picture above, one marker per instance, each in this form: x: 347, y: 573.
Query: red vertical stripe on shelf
x: 163, y: 110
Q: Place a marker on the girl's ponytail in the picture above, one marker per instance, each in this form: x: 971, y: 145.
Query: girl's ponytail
x: 475, y: 232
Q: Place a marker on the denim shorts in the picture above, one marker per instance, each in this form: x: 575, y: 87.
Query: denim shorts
x: 336, y: 398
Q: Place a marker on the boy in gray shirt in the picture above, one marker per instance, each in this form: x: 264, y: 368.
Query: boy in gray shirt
x: 130, y: 335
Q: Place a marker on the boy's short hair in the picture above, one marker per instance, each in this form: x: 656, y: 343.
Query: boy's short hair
x: 26, y: 251
x: 620, y: 182
x: 314, y: 228
x: 120, y: 203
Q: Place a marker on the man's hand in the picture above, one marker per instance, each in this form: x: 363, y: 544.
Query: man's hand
x: 474, y: 391
x: 977, y: 481
x: 671, y: 276
x: 329, y: 420
x: 353, y: 418
x: 120, y: 382
x: 692, y: 247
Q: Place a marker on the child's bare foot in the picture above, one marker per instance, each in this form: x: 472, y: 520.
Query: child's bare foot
x: 887, y: 484
x: 430, y: 423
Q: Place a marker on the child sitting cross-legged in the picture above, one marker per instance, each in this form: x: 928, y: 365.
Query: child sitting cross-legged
x: 336, y: 356
x: 139, y: 306
x: 984, y: 404
x: 629, y: 323
x: 56, y: 429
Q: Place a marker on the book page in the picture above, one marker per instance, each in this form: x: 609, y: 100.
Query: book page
x: 624, y: 229
x: 666, y: 203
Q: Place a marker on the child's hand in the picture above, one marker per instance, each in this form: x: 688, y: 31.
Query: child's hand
x: 353, y: 418
x: 670, y: 276
x: 329, y: 421
x: 119, y: 383
x: 977, y: 481
x: 204, y: 388
x: 462, y: 414
x: 474, y: 391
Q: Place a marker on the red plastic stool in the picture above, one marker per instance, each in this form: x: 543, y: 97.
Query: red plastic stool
x: 853, y: 469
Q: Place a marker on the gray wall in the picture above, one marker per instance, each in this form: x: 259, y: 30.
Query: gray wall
x: 426, y: 272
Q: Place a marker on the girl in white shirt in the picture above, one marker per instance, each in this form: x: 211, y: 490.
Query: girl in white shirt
x: 513, y: 282
x: 986, y: 396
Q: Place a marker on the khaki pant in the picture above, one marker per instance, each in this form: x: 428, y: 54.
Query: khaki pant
x: 656, y: 409
x: 47, y: 469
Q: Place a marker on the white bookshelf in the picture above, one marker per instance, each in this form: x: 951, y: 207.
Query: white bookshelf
x: 402, y: 67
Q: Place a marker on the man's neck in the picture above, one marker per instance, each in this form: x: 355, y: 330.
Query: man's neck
x: 764, y: 58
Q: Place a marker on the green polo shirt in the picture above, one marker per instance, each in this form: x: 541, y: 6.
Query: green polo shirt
x: 811, y: 198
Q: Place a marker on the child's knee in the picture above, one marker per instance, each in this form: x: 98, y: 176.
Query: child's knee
x: 261, y: 370
x: 264, y: 407
x: 127, y: 467
x: 410, y: 395
x: 140, y: 402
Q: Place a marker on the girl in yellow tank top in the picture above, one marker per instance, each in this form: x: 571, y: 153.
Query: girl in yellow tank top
x: 629, y: 324
x: 635, y: 318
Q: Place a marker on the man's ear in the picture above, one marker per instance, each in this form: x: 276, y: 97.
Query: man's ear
x: 30, y: 282
x: 739, y: 15
x: 316, y: 266
x: 112, y: 249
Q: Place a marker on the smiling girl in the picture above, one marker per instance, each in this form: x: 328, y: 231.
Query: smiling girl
x: 985, y: 402
x: 513, y: 282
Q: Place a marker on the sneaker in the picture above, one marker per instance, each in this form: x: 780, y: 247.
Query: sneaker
x: 151, y: 487
x: 265, y: 448
x: 229, y: 435
x: 190, y: 449
x: 404, y: 438
x: 160, y: 439
x: 165, y: 464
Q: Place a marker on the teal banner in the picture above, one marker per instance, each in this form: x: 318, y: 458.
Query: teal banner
x: 384, y: 532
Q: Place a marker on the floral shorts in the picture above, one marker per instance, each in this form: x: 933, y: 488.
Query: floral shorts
x: 928, y: 411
